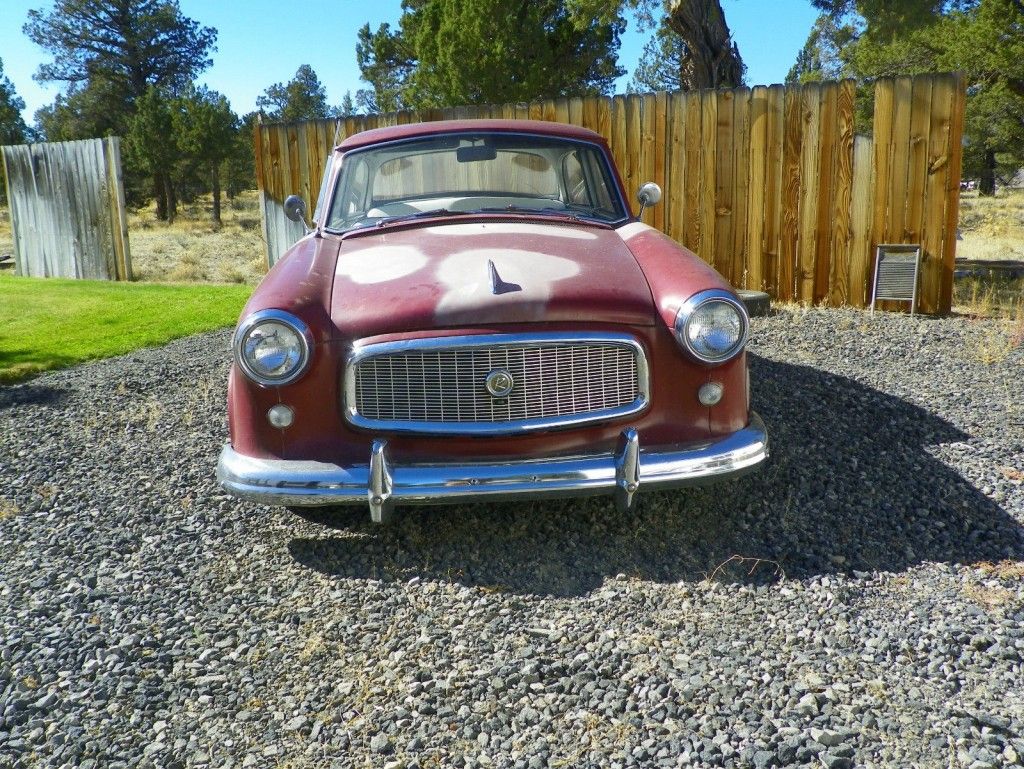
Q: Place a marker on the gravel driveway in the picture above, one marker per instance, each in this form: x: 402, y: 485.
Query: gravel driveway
x: 858, y: 602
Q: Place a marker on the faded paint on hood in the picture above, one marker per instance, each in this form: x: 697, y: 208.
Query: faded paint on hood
x: 438, y: 276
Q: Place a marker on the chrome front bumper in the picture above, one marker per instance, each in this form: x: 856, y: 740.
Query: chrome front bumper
x: 381, y: 484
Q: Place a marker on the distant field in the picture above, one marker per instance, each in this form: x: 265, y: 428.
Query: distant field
x: 52, y: 323
x: 992, y: 227
x: 192, y: 250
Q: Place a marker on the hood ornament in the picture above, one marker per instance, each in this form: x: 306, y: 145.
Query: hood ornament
x: 499, y: 286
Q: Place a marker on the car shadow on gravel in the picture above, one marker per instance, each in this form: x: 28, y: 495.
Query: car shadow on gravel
x: 851, y: 485
x: 12, y: 396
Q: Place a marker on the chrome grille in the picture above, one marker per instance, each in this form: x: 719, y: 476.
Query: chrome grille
x: 438, y: 385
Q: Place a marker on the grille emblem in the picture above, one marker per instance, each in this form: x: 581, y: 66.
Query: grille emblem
x: 499, y: 383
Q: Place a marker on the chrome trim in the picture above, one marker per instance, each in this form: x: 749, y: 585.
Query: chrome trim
x: 279, y: 316
x: 515, y: 427
x: 690, y: 306
x: 307, y: 483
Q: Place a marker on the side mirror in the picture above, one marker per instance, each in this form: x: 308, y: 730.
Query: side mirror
x: 295, y: 208
x: 649, y: 194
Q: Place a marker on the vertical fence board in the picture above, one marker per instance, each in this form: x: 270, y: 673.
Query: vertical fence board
x: 741, y: 171
x: 692, y: 174
x: 900, y: 170
x: 810, y: 191
x: 774, y: 138
x: 790, y: 219
x: 839, y: 263
x: 675, y: 205
x: 757, y: 180
x: 956, y: 150
x: 883, y: 151
x: 917, y: 170
x: 827, y: 137
x: 645, y: 132
x: 708, y: 170
x: 937, y: 170
x: 862, y: 211
x: 633, y: 145
x: 724, y: 183
x: 658, y: 172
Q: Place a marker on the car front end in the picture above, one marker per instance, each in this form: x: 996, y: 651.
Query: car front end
x: 513, y: 333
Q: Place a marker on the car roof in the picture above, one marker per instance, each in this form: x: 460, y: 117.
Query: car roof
x: 432, y: 128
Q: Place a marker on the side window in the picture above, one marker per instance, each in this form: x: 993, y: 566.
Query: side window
x: 320, y: 198
x: 602, y: 195
x: 576, y: 191
x: 356, y: 198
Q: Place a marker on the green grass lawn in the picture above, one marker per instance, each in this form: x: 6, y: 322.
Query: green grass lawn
x: 50, y: 323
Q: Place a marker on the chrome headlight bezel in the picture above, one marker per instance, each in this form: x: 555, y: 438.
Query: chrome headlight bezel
x: 689, y: 309
x: 250, y: 324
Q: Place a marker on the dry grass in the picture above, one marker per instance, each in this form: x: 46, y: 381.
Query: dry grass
x: 7, y: 509
x: 992, y: 227
x: 1002, y: 569
x: 193, y: 250
x: 994, y: 345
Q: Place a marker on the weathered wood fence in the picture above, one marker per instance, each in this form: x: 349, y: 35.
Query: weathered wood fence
x: 67, y: 209
x: 770, y: 185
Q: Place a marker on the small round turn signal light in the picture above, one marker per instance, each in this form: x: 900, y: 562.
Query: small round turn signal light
x: 280, y: 416
x: 709, y: 394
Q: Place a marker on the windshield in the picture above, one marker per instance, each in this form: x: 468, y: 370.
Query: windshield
x: 474, y: 173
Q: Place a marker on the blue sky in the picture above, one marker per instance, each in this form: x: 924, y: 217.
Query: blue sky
x: 261, y: 42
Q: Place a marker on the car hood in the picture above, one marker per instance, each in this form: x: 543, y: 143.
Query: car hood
x: 483, y: 273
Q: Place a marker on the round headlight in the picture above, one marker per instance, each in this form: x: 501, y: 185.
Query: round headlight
x: 272, y: 347
x: 712, y: 326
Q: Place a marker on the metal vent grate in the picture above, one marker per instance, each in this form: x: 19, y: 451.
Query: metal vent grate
x: 896, y: 269
x: 440, y: 385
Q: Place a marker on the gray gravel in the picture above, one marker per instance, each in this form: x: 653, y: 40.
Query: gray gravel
x: 859, y: 602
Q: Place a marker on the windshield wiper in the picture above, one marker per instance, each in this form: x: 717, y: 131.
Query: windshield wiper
x: 418, y: 215
x: 562, y: 213
x: 513, y: 209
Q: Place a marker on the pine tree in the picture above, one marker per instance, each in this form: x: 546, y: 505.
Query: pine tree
x: 448, y: 52
x: 206, y: 130
x: 301, y: 98
x: 110, y: 54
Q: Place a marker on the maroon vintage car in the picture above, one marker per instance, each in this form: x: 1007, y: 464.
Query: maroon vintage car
x: 478, y: 315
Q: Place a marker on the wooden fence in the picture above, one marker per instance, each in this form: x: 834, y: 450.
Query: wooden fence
x: 770, y: 185
x: 67, y: 209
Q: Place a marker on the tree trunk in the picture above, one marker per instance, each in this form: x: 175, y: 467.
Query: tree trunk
x: 160, y: 193
x: 712, y: 60
x: 172, y: 200
x: 215, y: 183
x: 988, y: 175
